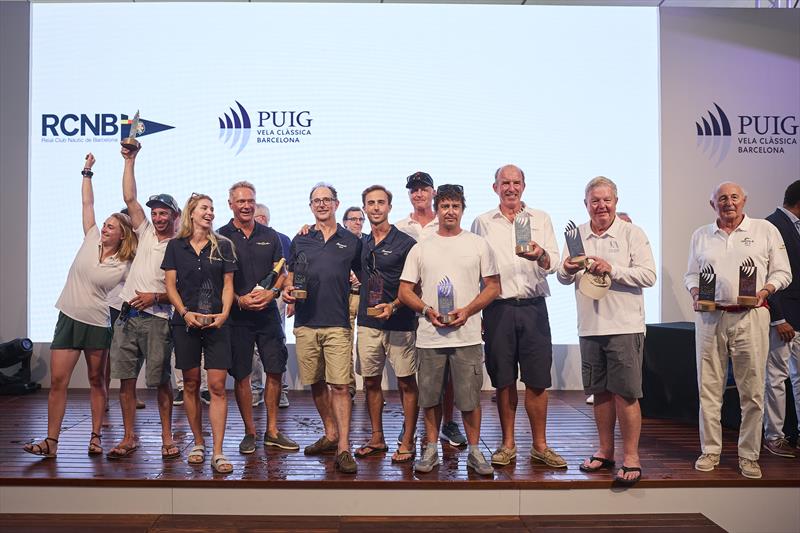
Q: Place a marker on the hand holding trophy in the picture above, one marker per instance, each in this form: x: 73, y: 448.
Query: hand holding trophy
x: 130, y: 143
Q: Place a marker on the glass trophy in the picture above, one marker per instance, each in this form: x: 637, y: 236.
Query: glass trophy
x: 522, y: 233
x: 204, y: 303
x: 575, y: 245
x: 374, y: 290
x: 707, y: 284
x: 300, y: 291
x: 446, y: 300
x: 130, y: 141
x: 747, y: 283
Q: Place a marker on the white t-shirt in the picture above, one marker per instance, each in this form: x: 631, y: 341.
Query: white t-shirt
x: 626, y: 248
x: 146, y: 274
x: 465, y: 258
x: 521, y: 278
x: 85, y: 294
x: 411, y: 227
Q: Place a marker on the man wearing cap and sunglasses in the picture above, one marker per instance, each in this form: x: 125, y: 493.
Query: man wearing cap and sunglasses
x: 421, y: 224
x: 141, y: 333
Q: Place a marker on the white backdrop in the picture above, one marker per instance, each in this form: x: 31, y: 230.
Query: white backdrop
x: 566, y: 93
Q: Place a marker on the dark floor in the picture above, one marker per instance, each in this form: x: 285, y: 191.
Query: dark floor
x: 668, y: 450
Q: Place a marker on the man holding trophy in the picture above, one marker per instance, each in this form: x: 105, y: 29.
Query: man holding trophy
x: 748, y: 264
x: 448, y: 267
x: 385, y: 326
x: 516, y: 324
x: 610, y: 262
x: 319, y: 285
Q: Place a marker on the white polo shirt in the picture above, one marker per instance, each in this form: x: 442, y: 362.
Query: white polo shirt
x: 146, y: 274
x: 626, y: 248
x: 520, y: 278
x: 465, y: 258
x: 411, y: 227
x: 85, y: 294
x: 754, y: 238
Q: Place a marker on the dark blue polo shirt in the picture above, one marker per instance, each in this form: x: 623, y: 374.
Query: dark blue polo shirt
x: 390, y: 256
x: 255, y: 257
x: 328, y: 277
x: 193, y: 269
x: 286, y: 243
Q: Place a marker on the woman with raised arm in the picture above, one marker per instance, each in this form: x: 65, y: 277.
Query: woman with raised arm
x: 84, y: 322
x: 199, y: 265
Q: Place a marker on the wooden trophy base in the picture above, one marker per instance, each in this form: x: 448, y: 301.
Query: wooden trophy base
x: 131, y: 144
x: 523, y: 249
x: 299, y: 294
x: 705, y: 306
x: 747, y: 301
x: 374, y: 311
x: 446, y: 318
x: 205, y: 320
x: 579, y: 261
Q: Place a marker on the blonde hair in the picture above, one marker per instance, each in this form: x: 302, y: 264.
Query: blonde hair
x: 601, y: 181
x: 129, y: 241
x: 187, y: 227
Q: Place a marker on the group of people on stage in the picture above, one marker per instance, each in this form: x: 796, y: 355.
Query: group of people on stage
x: 433, y: 299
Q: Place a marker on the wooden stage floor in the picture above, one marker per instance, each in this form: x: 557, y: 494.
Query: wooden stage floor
x: 668, y: 450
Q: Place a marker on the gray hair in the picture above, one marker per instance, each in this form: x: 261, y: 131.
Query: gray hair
x: 601, y: 181
x: 718, y: 187
x: 326, y: 185
x: 265, y: 209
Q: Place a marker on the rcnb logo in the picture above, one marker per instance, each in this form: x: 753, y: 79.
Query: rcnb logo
x: 272, y: 127
x: 99, y: 127
x: 715, y: 134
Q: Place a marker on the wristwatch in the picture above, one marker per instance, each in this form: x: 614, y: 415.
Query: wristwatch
x: 276, y: 291
x: 425, y: 310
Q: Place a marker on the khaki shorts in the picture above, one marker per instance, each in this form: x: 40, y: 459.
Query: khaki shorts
x: 324, y: 354
x: 375, y: 346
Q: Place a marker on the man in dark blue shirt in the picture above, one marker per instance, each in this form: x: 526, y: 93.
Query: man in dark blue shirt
x: 254, y: 317
x: 386, y: 328
x: 324, y: 257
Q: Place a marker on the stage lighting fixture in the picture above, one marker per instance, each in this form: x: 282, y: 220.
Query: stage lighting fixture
x: 17, y: 352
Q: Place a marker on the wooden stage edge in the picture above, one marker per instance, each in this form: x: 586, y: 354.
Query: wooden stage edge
x: 667, y: 449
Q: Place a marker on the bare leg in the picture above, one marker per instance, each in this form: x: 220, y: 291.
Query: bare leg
x: 630, y: 425
x: 433, y: 421
x: 96, y: 362
x: 536, y: 407
x: 342, y: 406
x: 604, y: 417
x: 165, y: 413
x: 322, y: 400
x: 472, y: 425
x: 191, y: 398
x: 507, y: 410
x: 272, y: 396
x: 372, y: 385
x: 218, y: 410
x: 62, y: 363
x: 244, y: 399
x: 127, y: 402
x: 409, y: 394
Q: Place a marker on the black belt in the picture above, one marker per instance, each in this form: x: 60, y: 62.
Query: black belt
x: 519, y: 302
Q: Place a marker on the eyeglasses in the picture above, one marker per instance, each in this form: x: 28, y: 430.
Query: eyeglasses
x: 448, y: 187
x: 320, y: 201
x: 354, y: 219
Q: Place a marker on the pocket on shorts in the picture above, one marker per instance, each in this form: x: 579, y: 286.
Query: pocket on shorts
x: 586, y: 374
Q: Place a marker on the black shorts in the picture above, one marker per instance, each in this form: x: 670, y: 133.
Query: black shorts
x: 211, y: 344
x: 271, y: 343
x: 517, y: 335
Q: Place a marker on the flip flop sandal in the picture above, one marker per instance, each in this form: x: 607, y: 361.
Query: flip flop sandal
x: 41, y: 449
x: 604, y: 464
x: 371, y: 450
x: 403, y: 456
x: 165, y: 451
x: 126, y: 451
x: 628, y: 482
x: 198, y: 455
x: 221, y: 465
x: 95, y: 449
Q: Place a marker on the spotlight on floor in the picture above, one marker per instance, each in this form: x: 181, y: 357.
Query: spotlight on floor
x: 12, y: 353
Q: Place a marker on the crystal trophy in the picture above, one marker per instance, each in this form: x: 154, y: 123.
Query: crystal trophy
x: 204, y: 303
x: 130, y: 141
x: 707, y: 284
x: 374, y: 290
x: 522, y: 233
x: 575, y: 245
x: 300, y: 291
x: 446, y: 301
x: 747, y: 283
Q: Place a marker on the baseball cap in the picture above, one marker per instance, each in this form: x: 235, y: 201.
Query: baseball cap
x: 163, y: 199
x: 419, y: 178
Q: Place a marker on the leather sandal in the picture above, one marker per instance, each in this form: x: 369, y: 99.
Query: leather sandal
x: 95, y: 449
x: 41, y: 449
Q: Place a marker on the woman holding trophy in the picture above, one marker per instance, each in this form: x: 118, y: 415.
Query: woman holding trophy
x: 199, y: 265
x: 83, y: 322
